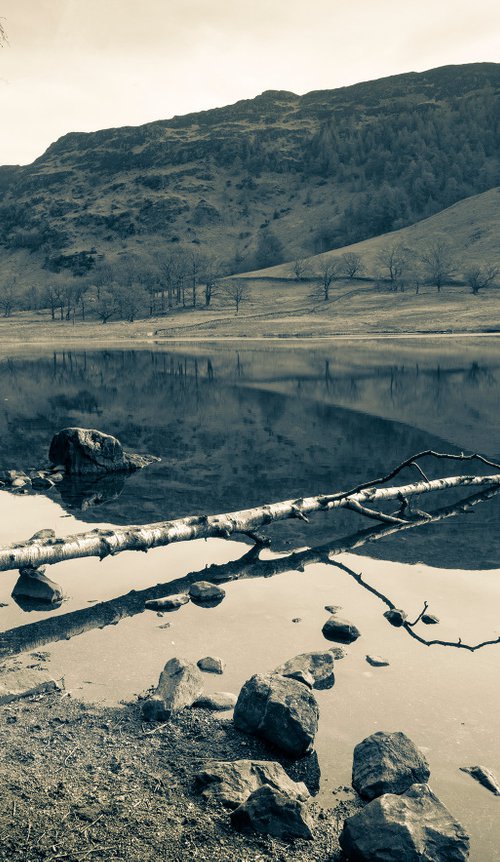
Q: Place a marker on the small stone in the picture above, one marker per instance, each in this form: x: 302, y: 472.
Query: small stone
x: 20, y: 482
x: 483, y: 776
x: 337, y: 652
x: 273, y: 813
x: 41, y: 481
x: 179, y: 686
x: 15, y: 685
x: 314, y: 669
x: 377, y: 661
x: 203, y: 591
x: 230, y: 782
x: 412, y: 827
x: 211, y: 664
x: 395, y: 616
x: 333, y: 609
x: 430, y: 619
x: 297, y: 620
x: 387, y: 763
x: 168, y: 603
x: 338, y: 629
x: 219, y: 701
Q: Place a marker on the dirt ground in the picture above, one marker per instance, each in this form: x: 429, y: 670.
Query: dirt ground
x: 84, y: 782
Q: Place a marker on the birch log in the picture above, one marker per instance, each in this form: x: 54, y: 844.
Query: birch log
x: 102, y: 543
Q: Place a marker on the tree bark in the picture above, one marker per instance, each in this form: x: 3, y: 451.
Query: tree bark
x: 102, y: 543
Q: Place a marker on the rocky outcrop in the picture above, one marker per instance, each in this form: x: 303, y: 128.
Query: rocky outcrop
x: 387, y: 763
x: 180, y: 685
x: 86, y: 451
x: 271, y: 812
x: 340, y: 630
x: 314, y: 669
x: 232, y: 782
x: 280, y: 710
x: 414, y: 827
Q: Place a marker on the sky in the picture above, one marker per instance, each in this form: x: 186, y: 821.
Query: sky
x: 82, y: 65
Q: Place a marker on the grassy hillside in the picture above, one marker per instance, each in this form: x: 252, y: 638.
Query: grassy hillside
x: 259, y: 182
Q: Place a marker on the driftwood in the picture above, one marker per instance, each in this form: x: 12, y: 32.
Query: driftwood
x: 102, y: 543
x: 65, y: 626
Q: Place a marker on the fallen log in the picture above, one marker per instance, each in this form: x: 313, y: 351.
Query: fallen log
x: 102, y: 543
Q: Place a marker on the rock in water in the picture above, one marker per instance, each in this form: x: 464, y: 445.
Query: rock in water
x: 430, y: 619
x: 211, y: 664
x: 314, y: 669
x: 280, y: 710
x: 413, y: 827
x: 168, y: 603
x: 205, y: 592
x: 232, y: 782
x: 395, y: 616
x: 273, y: 813
x: 218, y: 701
x: 85, y: 450
x: 34, y: 584
x: 483, y: 776
x: 377, y: 661
x: 387, y: 763
x: 338, y: 629
x: 180, y: 684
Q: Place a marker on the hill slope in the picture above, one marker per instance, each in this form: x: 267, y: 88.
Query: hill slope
x: 264, y: 180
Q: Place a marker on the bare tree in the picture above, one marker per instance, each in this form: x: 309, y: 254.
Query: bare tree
x: 394, y: 259
x: 237, y: 291
x: 196, y: 266
x: 327, y: 274
x: 106, y: 304
x: 351, y: 264
x: 478, y: 277
x: 299, y: 268
x: 439, y: 263
x: 211, y: 275
x: 9, y: 296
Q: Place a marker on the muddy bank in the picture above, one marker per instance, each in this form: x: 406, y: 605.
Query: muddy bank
x: 85, y: 782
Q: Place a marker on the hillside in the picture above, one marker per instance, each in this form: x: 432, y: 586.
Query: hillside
x: 261, y: 181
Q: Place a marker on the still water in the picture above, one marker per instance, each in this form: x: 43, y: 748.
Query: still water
x: 236, y: 428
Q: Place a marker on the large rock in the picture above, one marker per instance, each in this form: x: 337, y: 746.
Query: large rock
x: 387, y: 763
x: 232, y: 782
x: 33, y: 584
x: 273, y: 813
x: 314, y: 669
x: 413, y: 827
x: 280, y: 710
x: 211, y: 664
x: 340, y: 630
x: 85, y: 450
x: 180, y: 685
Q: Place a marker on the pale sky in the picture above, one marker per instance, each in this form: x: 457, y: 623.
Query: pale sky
x: 81, y: 65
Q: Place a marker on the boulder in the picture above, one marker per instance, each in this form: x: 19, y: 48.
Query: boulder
x: 219, y: 701
x: 180, y: 684
x: 168, y: 603
x: 232, y: 782
x: 33, y: 584
x: 273, y: 813
x: 341, y: 630
x: 414, y: 827
x: 314, y: 669
x: 483, y: 776
x: 205, y: 592
x: 387, y: 763
x: 396, y: 617
x: 377, y: 661
x: 281, y: 710
x: 211, y: 664
x: 85, y: 450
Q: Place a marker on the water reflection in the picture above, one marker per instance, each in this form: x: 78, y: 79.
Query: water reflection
x: 236, y: 428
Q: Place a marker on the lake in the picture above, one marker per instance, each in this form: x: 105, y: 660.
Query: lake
x: 238, y: 426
